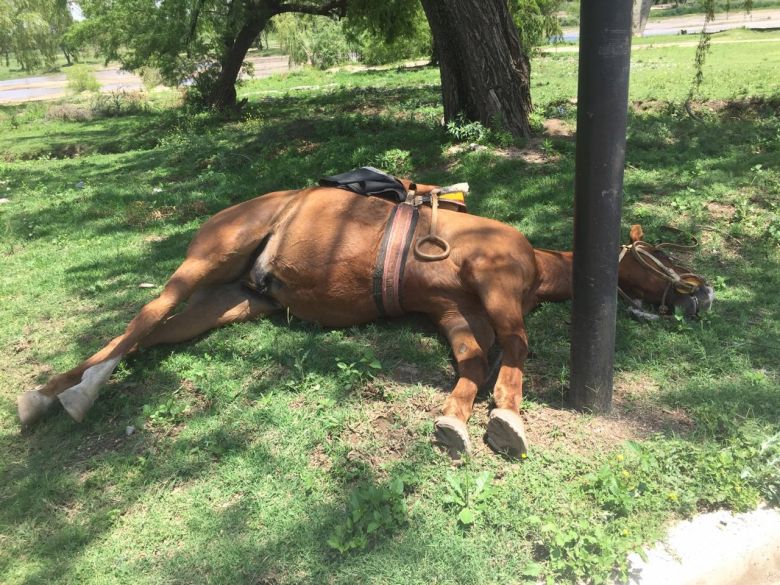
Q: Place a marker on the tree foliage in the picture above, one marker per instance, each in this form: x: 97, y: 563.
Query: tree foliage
x: 207, y: 40
x: 311, y: 39
x: 34, y: 31
x: 370, y: 33
x: 703, y: 47
x: 536, y: 21
x: 378, y: 39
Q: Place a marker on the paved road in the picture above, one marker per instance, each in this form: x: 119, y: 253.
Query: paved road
x: 52, y: 86
x: 692, y: 23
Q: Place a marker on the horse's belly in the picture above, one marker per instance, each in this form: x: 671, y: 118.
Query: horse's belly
x: 335, y: 293
x: 322, y: 269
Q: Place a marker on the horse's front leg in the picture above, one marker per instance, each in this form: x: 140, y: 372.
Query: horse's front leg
x: 501, y: 291
x: 505, y: 431
x: 470, y: 336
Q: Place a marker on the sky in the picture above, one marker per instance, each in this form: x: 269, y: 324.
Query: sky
x: 75, y: 11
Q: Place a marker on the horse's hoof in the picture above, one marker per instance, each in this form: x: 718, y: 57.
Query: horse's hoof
x: 453, y: 435
x: 32, y: 405
x: 506, y: 434
x: 77, y: 401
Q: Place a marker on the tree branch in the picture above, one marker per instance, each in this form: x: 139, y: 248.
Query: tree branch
x: 332, y: 8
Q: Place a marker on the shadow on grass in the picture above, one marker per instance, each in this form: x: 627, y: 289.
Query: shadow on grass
x: 80, y: 480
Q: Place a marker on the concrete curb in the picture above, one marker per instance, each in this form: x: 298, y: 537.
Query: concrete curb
x: 714, y: 549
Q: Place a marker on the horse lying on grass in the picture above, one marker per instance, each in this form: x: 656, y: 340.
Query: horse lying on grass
x: 312, y: 252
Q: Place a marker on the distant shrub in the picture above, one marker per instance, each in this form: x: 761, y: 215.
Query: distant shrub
x: 81, y: 78
x: 119, y: 103
x: 69, y: 113
x: 150, y: 77
x: 328, y: 46
x: 312, y: 39
x: 374, y: 47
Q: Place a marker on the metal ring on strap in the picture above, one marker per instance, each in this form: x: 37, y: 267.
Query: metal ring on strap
x: 436, y: 241
x: 432, y: 238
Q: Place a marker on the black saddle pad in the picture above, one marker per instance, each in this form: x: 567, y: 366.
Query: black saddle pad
x: 368, y: 181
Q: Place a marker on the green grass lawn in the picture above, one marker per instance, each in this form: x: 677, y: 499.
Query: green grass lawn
x: 273, y: 452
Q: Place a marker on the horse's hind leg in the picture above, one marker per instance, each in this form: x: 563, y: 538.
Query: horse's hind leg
x: 470, y: 337
x: 209, y: 308
x: 219, y: 254
x: 77, y: 388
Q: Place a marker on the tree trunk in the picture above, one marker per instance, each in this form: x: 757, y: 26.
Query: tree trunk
x: 485, y: 76
x: 222, y: 94
x: 639, y: 15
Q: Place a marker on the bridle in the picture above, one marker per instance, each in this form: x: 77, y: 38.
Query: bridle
x: 684, y: 283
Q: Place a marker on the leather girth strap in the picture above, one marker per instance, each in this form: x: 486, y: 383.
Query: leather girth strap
x: 391, y: 259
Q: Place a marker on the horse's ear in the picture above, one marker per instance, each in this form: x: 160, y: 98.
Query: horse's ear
x: 636, y: 233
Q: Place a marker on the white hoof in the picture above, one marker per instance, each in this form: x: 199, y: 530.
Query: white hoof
x: 78, y: 399
x: 453, y: 435
x: 32, y: 405
x: 506, y: 433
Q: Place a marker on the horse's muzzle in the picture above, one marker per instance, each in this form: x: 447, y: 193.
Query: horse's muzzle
x: 695, y: 303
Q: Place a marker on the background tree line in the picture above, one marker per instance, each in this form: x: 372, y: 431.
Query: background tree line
x: 35, y: 32
x: 482, y: 47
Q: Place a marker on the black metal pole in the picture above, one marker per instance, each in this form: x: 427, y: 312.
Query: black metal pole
x: 605, y: 50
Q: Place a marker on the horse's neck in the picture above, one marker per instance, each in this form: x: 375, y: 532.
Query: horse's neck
x: 554, y: 274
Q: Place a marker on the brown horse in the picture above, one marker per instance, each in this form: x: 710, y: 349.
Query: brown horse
x: 312, y: 252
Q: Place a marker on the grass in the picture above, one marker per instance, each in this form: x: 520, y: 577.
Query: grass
x: 12, y: 70
x: 238, y: 457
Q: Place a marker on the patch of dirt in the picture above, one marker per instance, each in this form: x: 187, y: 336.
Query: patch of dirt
x: 385, y: 432
x: 389, y: 429
x: 533, y: 153
x: 634, y: 417
x: 70, y: 150
x: 558, y: 128
x: 721, y: 210
x: 405, y: 373
x: 98, y: 443
x: 652, y: 106
x: 307, y: 147
x: 319, y: 459
x: 384, y: 437
x: 755, y: 106
x: 742, y: 108
x: 143, y: 213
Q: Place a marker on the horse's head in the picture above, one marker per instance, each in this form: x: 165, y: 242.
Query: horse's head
x: 648, y: 273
